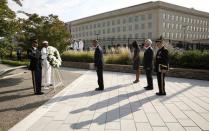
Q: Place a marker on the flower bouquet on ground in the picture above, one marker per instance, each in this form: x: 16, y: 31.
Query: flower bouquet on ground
x: 54, y: 57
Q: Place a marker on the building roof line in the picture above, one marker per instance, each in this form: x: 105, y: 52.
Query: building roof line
x: 140, y: 7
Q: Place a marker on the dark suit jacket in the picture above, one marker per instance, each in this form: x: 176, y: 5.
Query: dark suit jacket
x: 35, y: 59
x: 161, y: 58
x: 148, y: 58
x: 98, y: 57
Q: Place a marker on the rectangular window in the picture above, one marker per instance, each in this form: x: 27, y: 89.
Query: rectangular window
x: 164, y: 16
x: 108, y: 30
x: 136, y: 26
x: 150, y: 25
x: 136, y: 35
x: 130, y: 19
x: 130, y: 28
x: 136, y: 18
x: 118, y: 21
x: 142, y: 17
x: 143, y: 35
x: 108, y: 23
x: 98, y: 25
x: 103, y: 24
x: 113, y: 22
x: 113, y: 30
x: 124, y: 20
x: 124, y: 28
x: 142, y: 26
x: 149, y: 16
x: 163, y: 24
x: 149, y: 34
x: 118, y: 29
x: 177, y: 18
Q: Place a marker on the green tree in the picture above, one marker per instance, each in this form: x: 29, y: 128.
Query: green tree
x: 48, y: 28
x: 8, y: 27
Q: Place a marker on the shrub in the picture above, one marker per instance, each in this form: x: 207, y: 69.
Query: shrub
x: 74, y: 56
x: 190, y: 59
x: 122, y: 57
x: 15, y: 63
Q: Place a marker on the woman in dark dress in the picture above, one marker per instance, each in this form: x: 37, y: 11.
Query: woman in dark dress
x: 136, y: 61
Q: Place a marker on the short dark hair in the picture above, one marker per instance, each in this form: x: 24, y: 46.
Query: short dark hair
x: 134, y: 44
x: 35, y: 41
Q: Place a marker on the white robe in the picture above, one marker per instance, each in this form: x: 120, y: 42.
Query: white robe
x: 46, y: 68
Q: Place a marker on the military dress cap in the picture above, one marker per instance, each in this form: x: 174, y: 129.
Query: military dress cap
x: 160, y: 39
x: 45, y: 42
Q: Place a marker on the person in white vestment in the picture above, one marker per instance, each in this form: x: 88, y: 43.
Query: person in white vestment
x: 46, y: 67
x: 81, y: 44
x: 75, y: 46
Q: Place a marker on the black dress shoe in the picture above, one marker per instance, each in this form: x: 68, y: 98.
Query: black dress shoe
x: 99, y: 89
x: 148, y: 88
x: 161, y: 94
x: 39, y: 93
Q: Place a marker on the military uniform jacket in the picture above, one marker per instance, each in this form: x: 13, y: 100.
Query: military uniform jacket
x: 35, y: 59
x: 161, y: 58
x: 148, y: 58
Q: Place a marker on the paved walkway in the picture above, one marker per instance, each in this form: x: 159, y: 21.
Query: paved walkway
x: 123, y: 106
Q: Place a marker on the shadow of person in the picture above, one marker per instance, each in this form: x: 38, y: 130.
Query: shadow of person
x: 88, y: 93
x: 10, y: 82
x: 110, y: 101
x: 114, y: 114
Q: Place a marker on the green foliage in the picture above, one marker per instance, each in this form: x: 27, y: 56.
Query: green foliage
x: 48, y: 28
x: 122, y: 57
x: 74, y: 56
x: 190, y: 59
x: 8, y: 22
x: 15, y: 63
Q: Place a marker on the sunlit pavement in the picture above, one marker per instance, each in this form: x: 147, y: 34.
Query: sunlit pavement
x: 123, y: 106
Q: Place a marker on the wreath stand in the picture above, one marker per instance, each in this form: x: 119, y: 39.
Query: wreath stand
x: 56, y: 78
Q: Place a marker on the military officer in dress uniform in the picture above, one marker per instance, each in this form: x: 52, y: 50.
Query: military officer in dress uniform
x: 34, y: 54
x: 161, y: 65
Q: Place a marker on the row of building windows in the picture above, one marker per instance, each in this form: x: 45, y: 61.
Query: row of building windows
x: 169, y: 35
x: 112, y: 22
x: 185, y: 19
x: 119, y: 29
x: 185, y: 27
x: 137, y: 35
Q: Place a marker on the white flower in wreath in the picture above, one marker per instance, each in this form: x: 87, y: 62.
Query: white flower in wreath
x: 54, y: 57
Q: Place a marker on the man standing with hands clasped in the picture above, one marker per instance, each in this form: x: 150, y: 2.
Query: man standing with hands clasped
x: 98, y: 63
x: 161, y: 65
x: 148, y: 63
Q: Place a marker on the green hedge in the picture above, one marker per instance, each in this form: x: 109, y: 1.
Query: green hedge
x: 182, y: 59
x: 14, y: 63
x: 190, y: 59
x: 74, y: 56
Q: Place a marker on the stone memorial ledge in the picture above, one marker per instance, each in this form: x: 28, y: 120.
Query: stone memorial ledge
x: 174, y: 72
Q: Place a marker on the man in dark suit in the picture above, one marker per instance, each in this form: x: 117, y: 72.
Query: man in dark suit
x: 148, y: 63
x: 98, y: 63
x: 161, y: 65
x: 34, y: 55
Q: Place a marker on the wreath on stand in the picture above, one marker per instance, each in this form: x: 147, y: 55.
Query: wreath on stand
x: 55, y: 61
